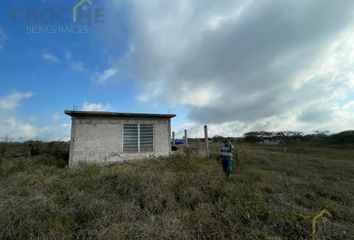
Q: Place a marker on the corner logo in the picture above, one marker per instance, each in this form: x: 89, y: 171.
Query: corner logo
x: 317, y: 217
x: 59, y: 20
x: 80, y: 4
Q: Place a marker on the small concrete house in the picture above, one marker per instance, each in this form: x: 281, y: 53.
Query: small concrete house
x: 107, y: 137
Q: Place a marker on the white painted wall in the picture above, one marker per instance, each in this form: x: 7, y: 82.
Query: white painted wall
x: 100, y: 139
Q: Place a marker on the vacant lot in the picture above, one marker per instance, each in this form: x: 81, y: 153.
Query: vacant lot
x: 271, y: 195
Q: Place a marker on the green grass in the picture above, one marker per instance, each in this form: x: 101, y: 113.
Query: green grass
x: 271, y: 195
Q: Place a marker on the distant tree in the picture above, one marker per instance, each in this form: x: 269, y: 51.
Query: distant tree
x: 217, y: 138
x: 321, y: 133
x: 6, y: 138
x: 283, y: 137
x: 2, y: 150
x: 318, y: 136
x: 287, y: 136
x: 252, y: 137
x: 342, y: 137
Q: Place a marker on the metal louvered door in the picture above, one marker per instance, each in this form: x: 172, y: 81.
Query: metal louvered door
x: 130, y: 138
x: 146, y: 138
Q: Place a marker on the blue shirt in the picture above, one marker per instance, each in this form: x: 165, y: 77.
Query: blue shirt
x: 227, y: 151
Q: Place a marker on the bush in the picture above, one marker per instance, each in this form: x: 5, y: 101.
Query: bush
x: 50, y: 160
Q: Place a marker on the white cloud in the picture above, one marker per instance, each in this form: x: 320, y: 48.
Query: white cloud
x: 96, y: 107
x: 60, y: 132
x: 9, y: 124
x: 56, y: 116
x: 106, y: 75
x: 19, y: 128
x: 49, y: 57
x: 243, y: 65
x: 67, y: 58
x: 3, y: 37
x: 76, y: 65
x: 12, y: 100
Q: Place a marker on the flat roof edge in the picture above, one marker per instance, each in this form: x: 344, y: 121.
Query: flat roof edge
x: 115, y: 114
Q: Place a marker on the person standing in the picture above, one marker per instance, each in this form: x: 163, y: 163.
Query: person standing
x: 226, y: 157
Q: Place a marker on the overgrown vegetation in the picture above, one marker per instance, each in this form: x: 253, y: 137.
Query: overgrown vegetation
x: 272, y: 195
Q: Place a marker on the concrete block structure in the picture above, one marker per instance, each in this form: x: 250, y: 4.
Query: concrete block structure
x: 108, y: 137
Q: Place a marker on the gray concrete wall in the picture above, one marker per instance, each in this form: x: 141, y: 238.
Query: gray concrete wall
x: 100, y: 139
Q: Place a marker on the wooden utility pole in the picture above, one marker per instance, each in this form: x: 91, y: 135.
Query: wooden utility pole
x: 185, y: 138
x: 173, y: 139
x: 206, y: 139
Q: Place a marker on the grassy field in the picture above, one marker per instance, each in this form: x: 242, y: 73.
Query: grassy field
x: 271, y: 195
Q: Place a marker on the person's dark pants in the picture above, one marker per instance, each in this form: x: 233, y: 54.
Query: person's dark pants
x: 227, y: 165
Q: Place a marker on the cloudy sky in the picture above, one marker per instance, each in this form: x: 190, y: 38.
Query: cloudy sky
x: 234, y: 65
